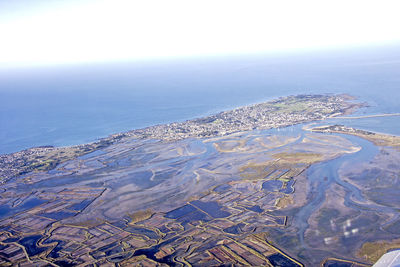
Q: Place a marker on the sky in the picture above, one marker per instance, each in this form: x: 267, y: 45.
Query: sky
x: 49, y: 32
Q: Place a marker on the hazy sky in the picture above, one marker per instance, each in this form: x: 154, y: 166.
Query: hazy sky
x: 61, y: 31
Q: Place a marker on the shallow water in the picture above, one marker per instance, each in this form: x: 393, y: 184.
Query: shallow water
x: 322, y: 176
x: 78, y: 104
x: 6, y: 210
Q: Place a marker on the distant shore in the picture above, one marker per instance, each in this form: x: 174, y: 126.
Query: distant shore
x: 368, y: 116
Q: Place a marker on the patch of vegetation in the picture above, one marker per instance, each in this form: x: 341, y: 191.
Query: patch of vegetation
x: 372, y: 251
x: 285, y: 201
x: 292, y: 107
x: 254, y: 171
x: 140, y: 216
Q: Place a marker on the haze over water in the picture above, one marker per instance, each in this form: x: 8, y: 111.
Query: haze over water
x: 76, y: 104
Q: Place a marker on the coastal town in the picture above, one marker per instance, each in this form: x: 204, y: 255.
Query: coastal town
x: 278, y: 113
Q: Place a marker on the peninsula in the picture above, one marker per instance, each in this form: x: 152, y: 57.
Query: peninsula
x: 376, y: 138
x: 282, y: 112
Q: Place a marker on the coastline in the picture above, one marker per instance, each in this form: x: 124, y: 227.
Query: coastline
x: 379, y: 139
x: 281, y: 112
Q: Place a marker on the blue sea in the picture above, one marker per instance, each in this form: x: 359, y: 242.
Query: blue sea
x: 74, y: 104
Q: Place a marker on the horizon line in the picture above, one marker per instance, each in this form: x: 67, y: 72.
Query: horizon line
x: 357, y: 48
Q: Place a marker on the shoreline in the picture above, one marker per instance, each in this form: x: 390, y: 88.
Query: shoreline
x: 378, y: 139
x: 277, y: 113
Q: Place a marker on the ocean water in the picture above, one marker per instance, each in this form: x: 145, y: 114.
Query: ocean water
x: 70, y: 105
